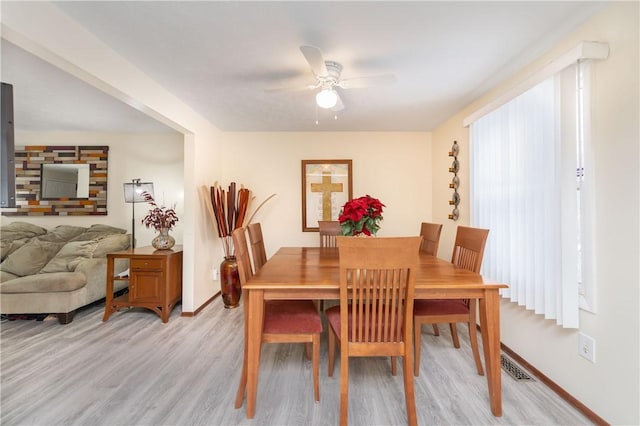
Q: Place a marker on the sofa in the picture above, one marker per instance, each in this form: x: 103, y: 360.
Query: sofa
x: 59, y: 270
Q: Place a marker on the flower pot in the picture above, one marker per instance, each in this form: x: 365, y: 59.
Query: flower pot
x: 230, y: 282
x: 163, y: 241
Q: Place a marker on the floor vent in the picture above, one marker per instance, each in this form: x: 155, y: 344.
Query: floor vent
x: 514, y: 370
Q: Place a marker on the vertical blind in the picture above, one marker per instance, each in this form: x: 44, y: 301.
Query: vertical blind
x: 522, y: 177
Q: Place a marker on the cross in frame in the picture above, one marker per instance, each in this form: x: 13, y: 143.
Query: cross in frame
x: 326, y: 187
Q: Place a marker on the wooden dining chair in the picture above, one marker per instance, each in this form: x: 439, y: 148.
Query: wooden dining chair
x: 329, y: 230
x: 256, y: 240
x: 430, y: 233
x: 468, y: 251
x: 374, y: 318
x: 285, y: 321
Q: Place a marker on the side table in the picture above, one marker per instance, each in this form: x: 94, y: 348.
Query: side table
x: 155, y: 280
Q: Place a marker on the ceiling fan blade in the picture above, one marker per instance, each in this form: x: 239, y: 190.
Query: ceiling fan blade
x: 314, y: 58
x: 339, y: 105
x: 374, y: 80
x: 291, y: 89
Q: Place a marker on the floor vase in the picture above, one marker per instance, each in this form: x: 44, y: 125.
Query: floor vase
x: 230, y: 282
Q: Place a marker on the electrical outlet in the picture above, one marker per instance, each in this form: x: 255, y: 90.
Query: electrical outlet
x: 587, y: 347
x: 214, y: 274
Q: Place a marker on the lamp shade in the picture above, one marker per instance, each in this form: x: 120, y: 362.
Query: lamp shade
x: 133, y: 191
x: 327, y: 98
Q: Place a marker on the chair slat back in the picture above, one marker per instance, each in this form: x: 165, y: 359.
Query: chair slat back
x: 257, y: 245
x: 242, y: 255
x: 377, y: 278
x: 468, y: 249
x: 329, y: 230
x: 430, y: 233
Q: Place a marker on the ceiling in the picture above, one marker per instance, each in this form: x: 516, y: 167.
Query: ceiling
x: 219, y: 57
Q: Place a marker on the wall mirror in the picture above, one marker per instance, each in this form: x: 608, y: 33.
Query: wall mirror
x: 60, y: 180
x: 64, y: 181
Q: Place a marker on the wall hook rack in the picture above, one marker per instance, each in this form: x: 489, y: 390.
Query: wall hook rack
x: 455, y: 181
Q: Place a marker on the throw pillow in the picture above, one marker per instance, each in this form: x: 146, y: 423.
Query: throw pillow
x: 31, y: 257
x: 69, y: 255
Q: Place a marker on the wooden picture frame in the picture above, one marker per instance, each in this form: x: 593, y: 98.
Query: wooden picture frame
x: 326, y: 187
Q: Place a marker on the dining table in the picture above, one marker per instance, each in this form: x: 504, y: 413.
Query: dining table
x: 312, y: 273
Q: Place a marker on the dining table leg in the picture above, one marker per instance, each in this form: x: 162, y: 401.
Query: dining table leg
x: 254, y: 333
x: 242, y: 387
x: 490, y: 327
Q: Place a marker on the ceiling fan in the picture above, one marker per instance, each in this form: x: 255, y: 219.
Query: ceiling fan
x: 328, y: 78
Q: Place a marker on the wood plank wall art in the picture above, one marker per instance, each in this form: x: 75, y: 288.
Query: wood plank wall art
x: 28, y: 163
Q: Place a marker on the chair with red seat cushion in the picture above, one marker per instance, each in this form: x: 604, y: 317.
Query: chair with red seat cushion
x: 374, y: 318
x: 468, y: 251
x: 285, y: 321
x: 430, y: 233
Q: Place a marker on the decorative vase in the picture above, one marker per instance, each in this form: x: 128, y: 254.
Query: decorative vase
x: 230, y: 287
x: 164, y: 241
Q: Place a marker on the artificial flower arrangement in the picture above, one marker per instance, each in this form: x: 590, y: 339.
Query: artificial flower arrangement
x: 159, y: 217
x: 228, y: 211
x: 361, y: 216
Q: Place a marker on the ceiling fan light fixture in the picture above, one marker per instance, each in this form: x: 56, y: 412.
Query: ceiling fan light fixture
x: 327, y: 98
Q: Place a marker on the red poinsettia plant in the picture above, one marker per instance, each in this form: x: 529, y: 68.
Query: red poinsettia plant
x: 159, y: 217
x: 361, y: 216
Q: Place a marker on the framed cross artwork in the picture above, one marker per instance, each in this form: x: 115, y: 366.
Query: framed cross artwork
x: 326, y: 187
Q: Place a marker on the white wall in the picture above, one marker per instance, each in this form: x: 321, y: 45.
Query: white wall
x: 157, y: 158
x: 610, y: 387
x: 392, y: 166
x: 43, y: 30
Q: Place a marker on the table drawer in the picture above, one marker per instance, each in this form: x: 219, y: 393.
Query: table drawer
x: 146, y: 264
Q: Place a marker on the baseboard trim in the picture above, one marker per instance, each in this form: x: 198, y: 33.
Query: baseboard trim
x: 555, y: 387
x: 201, y: 307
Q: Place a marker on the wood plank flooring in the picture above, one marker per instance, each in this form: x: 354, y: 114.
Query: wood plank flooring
x: 135, y: 370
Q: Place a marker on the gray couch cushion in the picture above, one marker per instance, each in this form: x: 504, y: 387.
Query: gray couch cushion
x: 112, y: 243
x: 106, y: 228
x: 6, y: 276
x: 63, y: 233
x: 98, y: 231
x: 6, y: 248
x: 31, y: 257
x: 45, y: 283
x: 16, y: 244
x: 67, y: 258
x: 19, y: 230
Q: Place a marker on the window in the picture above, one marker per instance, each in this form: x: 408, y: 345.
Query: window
x: 528, y: 187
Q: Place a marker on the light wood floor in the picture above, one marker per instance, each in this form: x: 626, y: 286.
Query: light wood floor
x: 134, y: 370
